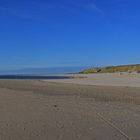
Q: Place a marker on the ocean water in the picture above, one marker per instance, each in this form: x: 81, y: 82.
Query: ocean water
x: 32, y: 77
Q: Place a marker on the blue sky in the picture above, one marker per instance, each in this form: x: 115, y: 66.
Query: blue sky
x: 62, y: 33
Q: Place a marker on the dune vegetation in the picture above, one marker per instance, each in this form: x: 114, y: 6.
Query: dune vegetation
x: 113, y: 69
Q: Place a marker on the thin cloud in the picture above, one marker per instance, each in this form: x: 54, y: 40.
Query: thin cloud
x: 31, y: 11
x: 77, y: 7
x: 13, y: 66
x: 95, y: 8
x: 14, y: 12
x: 39, y: 8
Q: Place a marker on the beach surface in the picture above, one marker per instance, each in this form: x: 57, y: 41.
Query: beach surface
x: 104, y: 79
x: 40, y: 110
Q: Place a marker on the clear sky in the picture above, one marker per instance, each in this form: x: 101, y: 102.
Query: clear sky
x: 54, y: 33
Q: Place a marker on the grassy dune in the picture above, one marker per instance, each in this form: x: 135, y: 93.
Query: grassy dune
x: 113, y: 69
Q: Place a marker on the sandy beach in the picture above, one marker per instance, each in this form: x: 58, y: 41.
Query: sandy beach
x: 40, y: 110
x: 104, y: 79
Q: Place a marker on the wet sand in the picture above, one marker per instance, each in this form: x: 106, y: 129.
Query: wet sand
x: 40, y: 110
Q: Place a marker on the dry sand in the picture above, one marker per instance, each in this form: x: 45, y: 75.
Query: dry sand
x: 37, y: 110
x: 114, y: 79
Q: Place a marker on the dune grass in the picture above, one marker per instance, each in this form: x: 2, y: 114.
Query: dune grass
x: 113, y: 69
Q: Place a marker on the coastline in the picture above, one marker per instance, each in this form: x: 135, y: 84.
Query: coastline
x: 104, y: 79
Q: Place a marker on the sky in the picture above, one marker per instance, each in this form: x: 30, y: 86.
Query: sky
x: 68, y: 33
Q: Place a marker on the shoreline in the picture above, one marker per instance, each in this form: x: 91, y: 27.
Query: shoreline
x: 104, y: 79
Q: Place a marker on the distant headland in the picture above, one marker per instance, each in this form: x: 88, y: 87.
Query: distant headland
x: 113, y: 69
